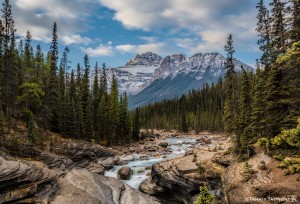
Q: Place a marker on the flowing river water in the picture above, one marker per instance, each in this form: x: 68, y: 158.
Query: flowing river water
x: 177, y: 147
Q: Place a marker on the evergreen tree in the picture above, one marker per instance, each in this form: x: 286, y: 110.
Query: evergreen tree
x: 96, y: 96
x: 28, y: 58
x: 259, y: 104
x: 278, y: 29
x: 288, y: 64
x: 103, y: 122
x: 124, y: 129
x: 136, y: 125
x: 39, y: 66
x: 184, y: 125
x: 264, y: 30
x: 86, y: 100
x: 32, y: 132
x: 9, y: 83
x: 1, y: 64
x: 274, y: 109
x: 52, y: 91
x: 244, y: 114
x: 113, y: 113
x: 295, y: 21
x: 72, y: 127
x: 230, y: 106
x: 2, y: 135
x: 78, y: 102
x: 88, y: 121
x: 103, y: 83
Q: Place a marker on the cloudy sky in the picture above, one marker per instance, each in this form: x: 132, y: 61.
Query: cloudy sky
x: 113, y: 31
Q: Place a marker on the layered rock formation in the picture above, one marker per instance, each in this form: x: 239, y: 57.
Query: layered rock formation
x: 26, y: 181
x: 71, y: 174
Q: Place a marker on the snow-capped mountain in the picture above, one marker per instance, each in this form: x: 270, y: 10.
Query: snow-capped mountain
x: 148, y: 77
x: 133, y: 77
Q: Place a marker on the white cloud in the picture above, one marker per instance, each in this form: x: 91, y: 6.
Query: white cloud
x: 126, y: 48
x: 158, y: 47
x: 101, y: 50
x: 38, y: 16
x: 211, y: 21
x: 110, y: 50
x: 75, y: 39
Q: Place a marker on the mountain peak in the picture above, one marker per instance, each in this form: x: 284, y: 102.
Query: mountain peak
x: 145, y: 59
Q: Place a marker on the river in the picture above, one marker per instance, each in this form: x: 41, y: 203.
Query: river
x: 177, y: 147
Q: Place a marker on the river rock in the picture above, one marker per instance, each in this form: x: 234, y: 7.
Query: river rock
x: 139, y: 171
x: 125, y: 173
x: 136, y: 156
x: 108, y: 163
x: 164, y: 144
x: 126, y: 158
x: 144, y: 157
x: 152, y: 148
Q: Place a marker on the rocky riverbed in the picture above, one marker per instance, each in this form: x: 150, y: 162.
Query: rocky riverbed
x: 166, y: 168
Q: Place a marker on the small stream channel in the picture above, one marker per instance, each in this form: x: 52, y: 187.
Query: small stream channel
x: 177, y: 147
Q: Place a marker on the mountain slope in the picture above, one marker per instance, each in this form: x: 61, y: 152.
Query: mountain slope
x: 133, y: 77
x: 178, y: 74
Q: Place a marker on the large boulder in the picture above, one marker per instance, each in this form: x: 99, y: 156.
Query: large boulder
x: 125, y: 173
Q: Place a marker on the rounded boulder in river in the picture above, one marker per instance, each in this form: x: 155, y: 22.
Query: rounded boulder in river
x: 125, y: 173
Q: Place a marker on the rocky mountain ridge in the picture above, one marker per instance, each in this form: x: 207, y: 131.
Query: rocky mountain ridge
x: 140, y: 76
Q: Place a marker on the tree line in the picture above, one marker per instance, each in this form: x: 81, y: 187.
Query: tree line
x: 198, y: 110
x: 249, y: 106
x: 45, y: 92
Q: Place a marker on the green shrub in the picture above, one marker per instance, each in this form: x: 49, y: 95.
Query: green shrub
x: 264, y: 143
x: 279, y: 157
x: 288, y: 138
x: 292, y: 166
x: 205, y: 197
x: 201, y: 168
x: 247, y: 172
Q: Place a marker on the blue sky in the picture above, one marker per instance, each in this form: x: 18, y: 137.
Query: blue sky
x: 114, y: 31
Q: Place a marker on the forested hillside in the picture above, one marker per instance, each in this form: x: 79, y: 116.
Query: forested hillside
x: 47, y: 94
x: 250, y: 106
